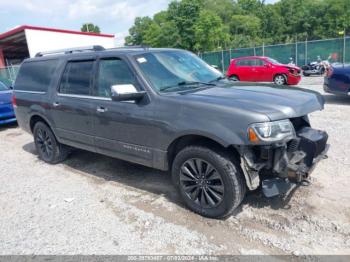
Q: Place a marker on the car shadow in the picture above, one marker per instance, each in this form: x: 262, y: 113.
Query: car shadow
x: 337, y: 99
x: 256, y: 199
x: 104, y: 168
x: 8, y: 126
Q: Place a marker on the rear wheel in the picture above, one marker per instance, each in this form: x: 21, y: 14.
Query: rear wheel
x: 47, y: 146
x: 279, y: 80
x: 209, y: 182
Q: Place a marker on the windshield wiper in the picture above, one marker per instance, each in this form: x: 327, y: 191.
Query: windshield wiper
x: 217, y: 79
x: 186, y: 83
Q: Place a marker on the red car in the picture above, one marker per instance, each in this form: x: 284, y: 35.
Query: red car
x: 263, y: 69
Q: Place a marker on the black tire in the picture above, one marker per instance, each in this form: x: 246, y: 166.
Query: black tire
x: 322, y: 71
x: 231, y: 183
x: 280, y: 79
x: 234, y: 78
x: 305, y: 74
x: 47, y: 146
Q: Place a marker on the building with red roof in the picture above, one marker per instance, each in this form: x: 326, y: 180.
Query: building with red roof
x: 25, y: 41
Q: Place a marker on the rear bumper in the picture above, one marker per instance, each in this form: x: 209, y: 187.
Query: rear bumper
x: 339, y: 91
x: 7, y: 121
x: 6, y: 118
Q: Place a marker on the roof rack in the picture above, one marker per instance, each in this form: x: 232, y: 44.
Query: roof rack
x: 71, y: 50
x: 130, y: 47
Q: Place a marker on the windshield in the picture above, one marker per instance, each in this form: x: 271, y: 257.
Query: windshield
x: 273, y: 61
x: 176, y: 70
x: 3, y: 87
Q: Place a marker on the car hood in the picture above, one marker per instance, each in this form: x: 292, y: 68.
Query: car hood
x: 291, y: 66
x: 274, y: 102
x: 5, y: 97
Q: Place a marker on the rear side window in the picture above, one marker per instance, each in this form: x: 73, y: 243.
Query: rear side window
x: 259, y: 62
x: 245, y: 62
x: 77, y: 78
x: 36, y: 76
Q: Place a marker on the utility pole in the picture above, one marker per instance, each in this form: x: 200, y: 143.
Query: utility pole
x: 306, y: 51
x: 222, y: 61
x: 263, y: 47
x: 296, y: 50
x: 344, y: 47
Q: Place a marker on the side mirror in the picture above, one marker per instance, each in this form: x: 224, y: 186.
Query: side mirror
x: 11, y: 87
x: 126, y: 93
x: 267, y: 65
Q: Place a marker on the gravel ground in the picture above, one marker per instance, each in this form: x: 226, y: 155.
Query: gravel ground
x: 92, y: 204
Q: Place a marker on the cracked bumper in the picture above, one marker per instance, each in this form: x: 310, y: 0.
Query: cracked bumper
x: 276, y: 186
x: 277, y: 167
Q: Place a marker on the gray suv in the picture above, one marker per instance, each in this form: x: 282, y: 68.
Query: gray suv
x: 168, y: 109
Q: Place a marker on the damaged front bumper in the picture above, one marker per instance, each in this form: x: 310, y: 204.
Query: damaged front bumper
x: 280, y: 166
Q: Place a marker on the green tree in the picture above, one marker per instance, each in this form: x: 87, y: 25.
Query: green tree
x: 200, y: 25
x: 89, y: 27
x: 209, y: 32
x: 223, y: 8
x: 184, y: 15
x: 137, y: 32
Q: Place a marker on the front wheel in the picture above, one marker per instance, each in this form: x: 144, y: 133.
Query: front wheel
x: 233, y: 78
x: 280, y: 80
x: 210, y: 183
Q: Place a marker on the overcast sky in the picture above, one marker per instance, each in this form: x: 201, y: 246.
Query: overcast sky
x: 113, y: 16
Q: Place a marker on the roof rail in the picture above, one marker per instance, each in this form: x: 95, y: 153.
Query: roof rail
x: 71, y: 50
x: 130, y: 47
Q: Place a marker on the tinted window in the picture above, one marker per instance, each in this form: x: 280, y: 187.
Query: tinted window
x: 77, y: 78
x: 36, y: 76
x: 113, y: 72
x: 245, y: 62
x: 259, y: 62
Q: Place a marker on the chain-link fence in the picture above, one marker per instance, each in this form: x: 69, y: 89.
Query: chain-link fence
x: 300, y: 52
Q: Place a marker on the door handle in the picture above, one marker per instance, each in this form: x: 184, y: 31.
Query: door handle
x: 101, y: 109
x: 55, y: 104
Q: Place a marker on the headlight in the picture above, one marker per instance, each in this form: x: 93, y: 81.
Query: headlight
x: 271, y: 131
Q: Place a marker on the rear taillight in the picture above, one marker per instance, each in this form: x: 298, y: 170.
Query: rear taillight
x: 14, y: 101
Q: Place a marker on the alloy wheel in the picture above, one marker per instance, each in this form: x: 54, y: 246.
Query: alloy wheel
x: 44, y: 143
x: 279, y: 80
x: 202, y: 183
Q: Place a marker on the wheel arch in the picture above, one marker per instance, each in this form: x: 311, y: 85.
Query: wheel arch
x: 282, y: 74
x: 234, y: 75
x: 35, y: 118
x: 182, y: 141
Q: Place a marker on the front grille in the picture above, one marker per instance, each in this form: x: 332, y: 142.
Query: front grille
x: 293, y: 145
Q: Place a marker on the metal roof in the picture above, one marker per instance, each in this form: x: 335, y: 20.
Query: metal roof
x: 24, y: 27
